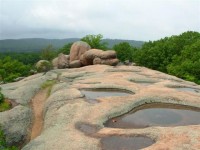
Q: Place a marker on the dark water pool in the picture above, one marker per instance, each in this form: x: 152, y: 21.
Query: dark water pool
x: 125, y: 143
x: 157, y: 115
x: 92, y: 95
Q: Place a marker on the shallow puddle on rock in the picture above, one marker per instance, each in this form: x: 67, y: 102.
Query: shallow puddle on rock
x: 92, y: 95
x: 157, y: 115
x: 125, y: 143
x: 144, y: 83
x: 185, y: 89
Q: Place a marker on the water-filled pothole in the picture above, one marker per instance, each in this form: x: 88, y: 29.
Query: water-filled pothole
x: 125, y: 143
x: 143, y: 82
x: 186, y: 89
x: 157, y: 114
x: 92, y: 94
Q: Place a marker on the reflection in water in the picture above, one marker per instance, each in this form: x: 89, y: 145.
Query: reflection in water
x: 125, y: 143
x: 157, y: 115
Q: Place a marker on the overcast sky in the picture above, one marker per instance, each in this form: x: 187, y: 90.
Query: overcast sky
x: 120, y: 19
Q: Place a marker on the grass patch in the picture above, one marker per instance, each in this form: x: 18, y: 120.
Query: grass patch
x: 5, y: 105
x: 48, y: 84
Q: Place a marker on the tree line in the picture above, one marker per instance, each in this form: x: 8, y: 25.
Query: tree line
x: 176, y: 55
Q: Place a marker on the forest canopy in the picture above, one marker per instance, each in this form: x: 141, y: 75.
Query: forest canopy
x: 176, y: 55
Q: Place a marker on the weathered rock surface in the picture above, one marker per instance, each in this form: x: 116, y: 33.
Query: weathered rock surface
x: 78, y: 48
x: 63, y: 61
x: 15, y: 124
x: 66, y: 109
x: 110, y: 62
x: 75, y: 64
x: 97, y: 56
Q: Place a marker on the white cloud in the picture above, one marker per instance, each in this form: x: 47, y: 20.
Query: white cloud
x: 127, y: 19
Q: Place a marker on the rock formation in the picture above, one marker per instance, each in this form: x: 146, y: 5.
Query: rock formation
x: 75, y: 64
x: 78, y: 48
x: 82, y: 55
x: 61, y: 62
x: 72, y: 122
x: 96, y: 56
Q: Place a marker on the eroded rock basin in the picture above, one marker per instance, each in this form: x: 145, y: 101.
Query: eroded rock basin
x: 125, y: 143
x: 186, y: 89
x: 157, y: 115
x: 92, y: 94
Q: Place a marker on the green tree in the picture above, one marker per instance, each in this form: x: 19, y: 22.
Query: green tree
x: 65, y: 49
x: 95, y: 41
x: 124, y: 51
x: 177, y: 55
x: 48, y: 53
x: 26, y: 58
x: 158, y: 54
x: 187, y: 64
x: 11, y: 69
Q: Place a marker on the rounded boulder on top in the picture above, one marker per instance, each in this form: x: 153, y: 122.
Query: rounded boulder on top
x: 77, y: 49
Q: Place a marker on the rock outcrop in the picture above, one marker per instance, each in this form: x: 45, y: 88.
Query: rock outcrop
x: 81, y: 54
x: 61, y: 62
x: 72, y: 122
x: 17, y: 121
x: 96, y: 56
x: 78, y: 48
x: 75, y: 64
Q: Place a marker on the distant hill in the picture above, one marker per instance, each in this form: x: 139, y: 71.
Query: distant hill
x: 37, y: 44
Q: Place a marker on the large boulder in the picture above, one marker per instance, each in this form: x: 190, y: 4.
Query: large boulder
x: 97, y: 56
x: 55, y: 63
x: 75, y: 64
x: 111, y: 62
x: 43, y: 66
x: 109, y: 54
x: 77, y: 49
x: 63, y: 61
x: 16, y: 123
x: 88, y: 57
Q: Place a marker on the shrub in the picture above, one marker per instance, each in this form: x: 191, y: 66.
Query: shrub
x: 1, y: 97
x: 43, y: 66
